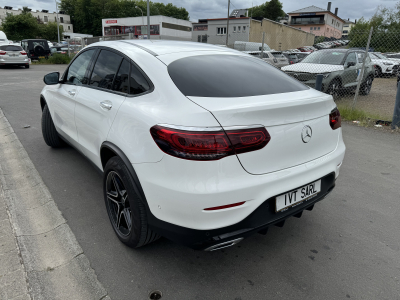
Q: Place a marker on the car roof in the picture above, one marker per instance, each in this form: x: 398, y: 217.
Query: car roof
x: 34, y: 40
x: 161, y: 47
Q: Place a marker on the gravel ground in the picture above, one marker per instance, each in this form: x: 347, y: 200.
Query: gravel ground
x: 380, y: 101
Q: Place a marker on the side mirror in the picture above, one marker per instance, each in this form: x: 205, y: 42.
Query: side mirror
x: 52, y: 78
x: 351, y: 64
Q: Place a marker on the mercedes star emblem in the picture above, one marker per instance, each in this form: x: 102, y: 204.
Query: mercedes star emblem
x: 306, y: 134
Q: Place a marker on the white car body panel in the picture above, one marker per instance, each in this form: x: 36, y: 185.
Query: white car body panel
x: 181, y: 197
x: 386, y: 68
x: 94, y: 122
x: 313, y: 68
x: 178, y: 190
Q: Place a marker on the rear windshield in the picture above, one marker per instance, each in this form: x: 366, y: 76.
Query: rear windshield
x: 229, y: 76
x: 41, y: 43
x: 11, y: 48
x: 278, y: 55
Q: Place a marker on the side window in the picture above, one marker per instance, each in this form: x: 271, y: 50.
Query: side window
x: 121, y: 81
x: 77, y: 70
x: 360, y: 57
x: 350, y: 58
x: 138, y: 83
x: 105, y: 69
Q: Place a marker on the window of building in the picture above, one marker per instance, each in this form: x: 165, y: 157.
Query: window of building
x: 244, y: 29
x: 46, y: 19
x: 234, y: 28
x: 319, y: 28
x: 61, y: 20
x: 238, y: 28
x: 333, y: 21
x: 310, y: 28
x: 221, y: 30
x: 69, y: 27
x: 345, y: 31
x: 315, y: 28
x: 55, y: 19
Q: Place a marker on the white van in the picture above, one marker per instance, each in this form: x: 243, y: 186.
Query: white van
x: 3, y: 39
x: 250, y: 46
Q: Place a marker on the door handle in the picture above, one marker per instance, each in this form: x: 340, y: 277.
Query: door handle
x: 106, y: 104
x: 71, y: 93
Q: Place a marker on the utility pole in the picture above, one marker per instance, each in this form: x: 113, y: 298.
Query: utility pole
x: 227, y: 24
x: 58, y: 26
x: 148, y: 19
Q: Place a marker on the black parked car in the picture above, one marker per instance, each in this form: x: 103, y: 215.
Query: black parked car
x: 36, y: 48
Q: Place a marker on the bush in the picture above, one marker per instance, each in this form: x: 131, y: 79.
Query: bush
x: 57, y: 59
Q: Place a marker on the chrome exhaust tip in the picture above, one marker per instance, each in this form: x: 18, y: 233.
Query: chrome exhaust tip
x: 224, y: 245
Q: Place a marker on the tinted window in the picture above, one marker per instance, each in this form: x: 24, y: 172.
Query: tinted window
x: 138, y: 83
x: 11, y: 48
x: 121, y: 81
x: 105, y: 69
x: 350, y: 58
x: 277, y: 55
x: 77, y: 70
x: 222, y: 76
x: 325, y: 57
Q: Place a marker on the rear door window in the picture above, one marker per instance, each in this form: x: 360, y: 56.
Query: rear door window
x: 121, y: 81
x: 230, y: 76
x: 105, y: 69
x: 138, y: 83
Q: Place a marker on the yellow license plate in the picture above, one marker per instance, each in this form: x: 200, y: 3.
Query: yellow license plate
x: 41, y: 57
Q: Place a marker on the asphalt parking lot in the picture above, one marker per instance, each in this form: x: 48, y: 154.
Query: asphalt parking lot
x: 347, y: 247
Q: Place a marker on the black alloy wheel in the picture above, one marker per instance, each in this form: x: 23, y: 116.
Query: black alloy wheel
x: 365, y: 88
x: 118, y: 204
x: 125, y: 209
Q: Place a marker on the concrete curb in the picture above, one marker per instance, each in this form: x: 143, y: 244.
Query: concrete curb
x: 55, y: 265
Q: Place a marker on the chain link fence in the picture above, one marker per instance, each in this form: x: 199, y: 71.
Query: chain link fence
x: 345, y: 65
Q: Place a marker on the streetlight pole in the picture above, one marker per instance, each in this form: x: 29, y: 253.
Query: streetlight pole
x: 227, y: 24
x: 142, y: 18
x: 148, y: 19
x: 58, y: 26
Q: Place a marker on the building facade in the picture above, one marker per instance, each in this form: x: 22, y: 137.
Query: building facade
x: 276, y: 35
x: 161, y: 27
x: 321, y: 22
x: 347, y: 27
x: 43, y: 16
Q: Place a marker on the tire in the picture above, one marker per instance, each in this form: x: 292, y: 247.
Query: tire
x: 334, y: 88
x: 125, y: 210
x: 378, y: 72
x: 49, y: 131
x: 365, y: 88
x: 27, y: 66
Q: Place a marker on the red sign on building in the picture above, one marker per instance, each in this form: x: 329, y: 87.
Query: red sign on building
x: 111, y: 21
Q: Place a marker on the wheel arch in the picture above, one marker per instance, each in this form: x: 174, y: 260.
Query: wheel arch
x: 42, y: 102
x: 109, y: 150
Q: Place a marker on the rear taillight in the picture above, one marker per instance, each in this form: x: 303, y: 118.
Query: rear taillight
x: 335, y: 120
x: 3, y: 52
x: 291, y: 62
x: 23, y: 52
x: 208, y: 145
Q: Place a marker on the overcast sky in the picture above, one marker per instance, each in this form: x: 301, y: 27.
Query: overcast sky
x: 206, y: 9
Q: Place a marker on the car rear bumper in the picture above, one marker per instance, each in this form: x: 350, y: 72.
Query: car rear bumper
x: 258, y: 221
x: 14, y: 62
x: 178, y: 192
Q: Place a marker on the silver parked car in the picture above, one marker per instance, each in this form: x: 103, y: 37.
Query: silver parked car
x: 13, y: 55
x: 274, y: 58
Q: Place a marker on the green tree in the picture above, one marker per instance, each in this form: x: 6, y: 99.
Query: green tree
x: 86, y: 15
x: 258, y: 11
x: 270, y: 10
x: 386, y: 24
x: 49, y: 31
x: 18, y: 27
x: 274, y: 10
